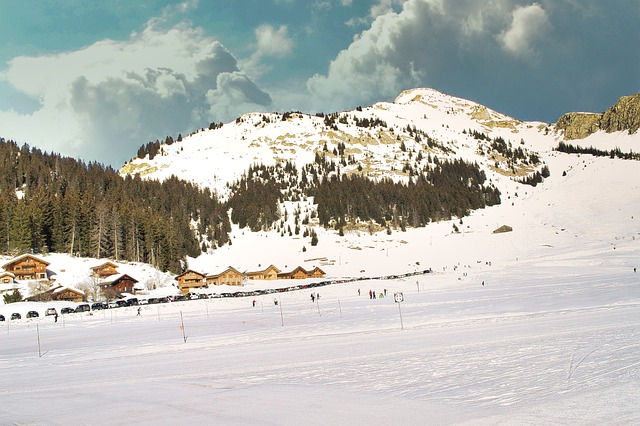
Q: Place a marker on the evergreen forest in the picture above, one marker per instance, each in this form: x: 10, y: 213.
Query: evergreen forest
x: 50, y: 203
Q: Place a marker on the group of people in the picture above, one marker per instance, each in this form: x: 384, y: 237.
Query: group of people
x: 315, y: 297
x: 372, y: 294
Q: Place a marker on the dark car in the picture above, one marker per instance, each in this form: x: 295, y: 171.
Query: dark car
x: 15, y: 316
x: 132, y: 302
x: 98, y: 306
x: 33, y: 314
x: 67, y: 310
x: 1, y: 317
x: 83, y: 308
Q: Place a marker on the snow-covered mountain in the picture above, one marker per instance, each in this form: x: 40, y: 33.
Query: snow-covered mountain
x: 539, y: 325
x: 380, y: 138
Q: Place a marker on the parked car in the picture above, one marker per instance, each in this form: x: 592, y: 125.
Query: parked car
x: 98, y: 305
x: 33, y: 314
x: 67, y: 310
x: 132, y: 301
x: 1, y: 317
x: 84, y: 307
x: 50, y: 311
x: 143, y: 301
x: 15, y: 316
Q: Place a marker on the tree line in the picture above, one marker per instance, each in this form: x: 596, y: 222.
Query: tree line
x: 613, y: 153
x: 50, y: 203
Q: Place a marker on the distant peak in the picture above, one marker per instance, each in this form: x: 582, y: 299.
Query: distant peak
x: 422, y: 94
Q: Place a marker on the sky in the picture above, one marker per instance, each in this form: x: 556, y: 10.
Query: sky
x: 96, y: 81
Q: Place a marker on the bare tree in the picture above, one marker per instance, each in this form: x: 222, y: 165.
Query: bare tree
x: 39, y: 290
x: 91, y: 287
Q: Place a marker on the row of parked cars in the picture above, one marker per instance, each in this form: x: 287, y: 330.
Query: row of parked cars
x: 83, y: 307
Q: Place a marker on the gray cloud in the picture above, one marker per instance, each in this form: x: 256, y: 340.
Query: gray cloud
x: 103, y: 101
x: 531, y: 60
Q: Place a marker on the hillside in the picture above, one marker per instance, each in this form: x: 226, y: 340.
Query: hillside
x: 396, y: 142
x: 380, y: 139
x: 539, y: 324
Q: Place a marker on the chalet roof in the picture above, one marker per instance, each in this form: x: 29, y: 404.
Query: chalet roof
x: 318, y: 270
x: 56, y: 289
x: 62, y: 288
x: 7, y: 273
x: 270, y: 267
x: 297, y: 269
x: 114, y: 279
x: 188, y: 271
x: 22, y: 257
x: 104, y: 265
x: 229, y: 269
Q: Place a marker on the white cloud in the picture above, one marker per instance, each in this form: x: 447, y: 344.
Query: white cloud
x: 272, y: 42
x: 528, y: 23
x: 427, y: 43
x: 103, y: 101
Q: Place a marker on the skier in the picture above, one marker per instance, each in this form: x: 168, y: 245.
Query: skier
x: 254, y: 303
x: 55, y: 317
x: 358, y: 292
x: 370, y: 294
x: 318, y: 296
x: 139, y: 309
x: 313, y: 298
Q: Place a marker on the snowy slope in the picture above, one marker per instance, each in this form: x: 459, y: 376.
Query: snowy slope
x: 216, y: 157
x: 552, y: 337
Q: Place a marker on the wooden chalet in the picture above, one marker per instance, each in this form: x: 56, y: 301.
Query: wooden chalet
x: 104, y: 270
x: 190, y: 279
x: 118, y: 284
x: 229, y: 276
x: 270, y: 273
x: 297, y: 274
x: 27, y: 267
x: 300, y: 273
x: 67, y: 294
x: 316, y: 273
x: 58, y: 292
x: 7, y: 277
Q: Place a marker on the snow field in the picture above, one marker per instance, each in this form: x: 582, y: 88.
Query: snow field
x: 545, y: 343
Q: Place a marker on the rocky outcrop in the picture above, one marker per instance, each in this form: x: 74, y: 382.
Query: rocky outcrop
x: 578, y: 125
x: 624, y: 115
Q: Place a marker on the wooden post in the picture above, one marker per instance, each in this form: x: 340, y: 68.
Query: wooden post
x: 184, y: 336
x: 38, y: 333
x: 281, y: 314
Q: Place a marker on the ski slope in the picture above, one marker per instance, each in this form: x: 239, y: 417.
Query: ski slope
x: 535, y: 344
x: 540, y: 325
